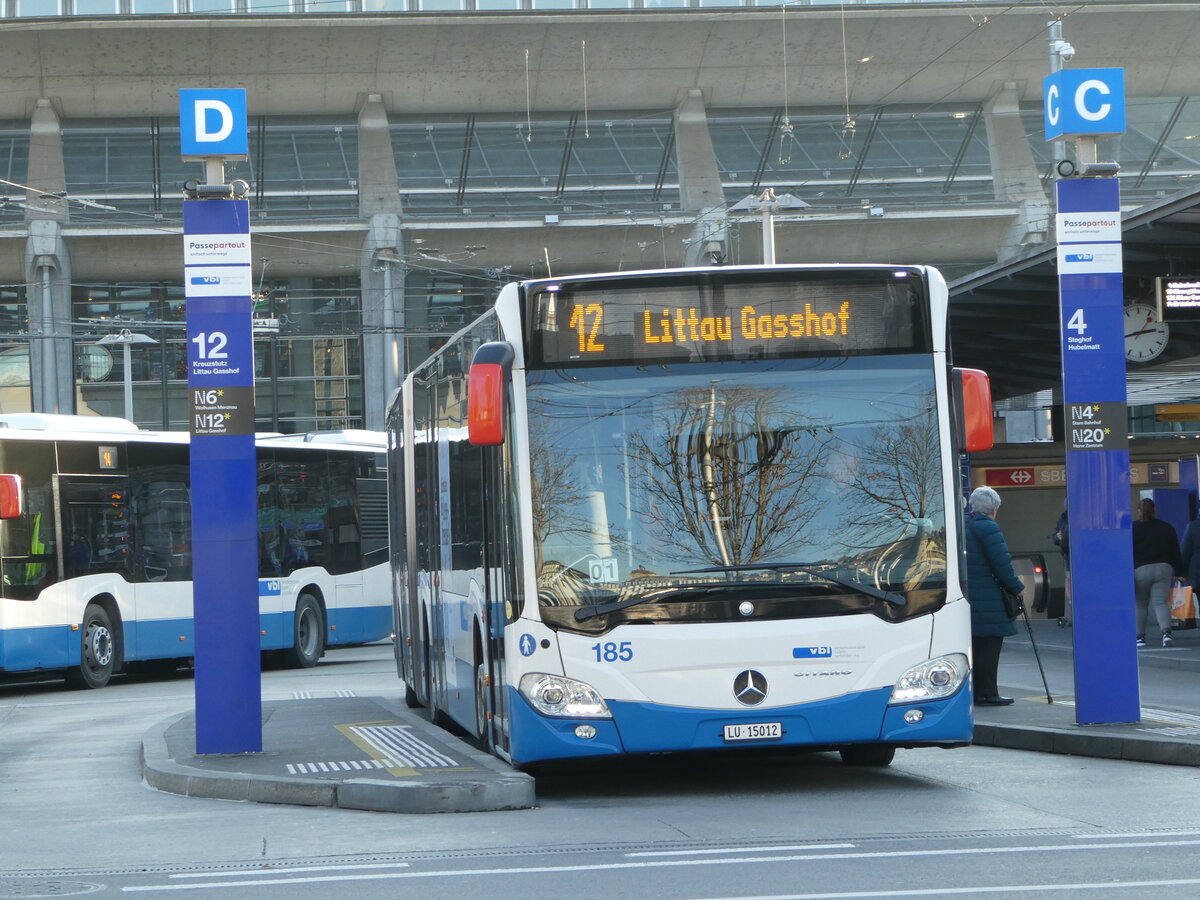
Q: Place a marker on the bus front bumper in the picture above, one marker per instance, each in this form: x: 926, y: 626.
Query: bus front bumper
x: 651, y: 728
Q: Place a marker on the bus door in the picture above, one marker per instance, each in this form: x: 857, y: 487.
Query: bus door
x: 161, y: 559
x: 425, y: 542
x: 502, y: 565
x: 95, y: 536
x: 28, y: 543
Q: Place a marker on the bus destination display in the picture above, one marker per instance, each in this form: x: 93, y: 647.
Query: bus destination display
x: 673, y: 320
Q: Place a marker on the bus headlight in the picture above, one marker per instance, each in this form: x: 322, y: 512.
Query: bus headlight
x: 933, y: 679
x: 554, y: 695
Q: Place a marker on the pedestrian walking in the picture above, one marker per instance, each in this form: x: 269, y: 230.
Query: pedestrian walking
x: 1156, y: 561
x: 989, y: 572
x: 1062, y: 540
x: 1189, y: 550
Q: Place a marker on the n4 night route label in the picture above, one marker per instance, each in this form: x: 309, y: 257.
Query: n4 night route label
x: 1098, y: 426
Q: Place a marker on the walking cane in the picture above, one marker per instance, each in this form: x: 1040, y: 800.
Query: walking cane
x: 1036, y: 655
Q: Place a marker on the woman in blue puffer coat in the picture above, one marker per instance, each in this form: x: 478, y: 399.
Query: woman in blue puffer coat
x: 989, y: 565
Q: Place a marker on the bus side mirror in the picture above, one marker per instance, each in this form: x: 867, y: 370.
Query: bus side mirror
x: 974, y: 391
x: 487, y: 386
x: 10, y: 496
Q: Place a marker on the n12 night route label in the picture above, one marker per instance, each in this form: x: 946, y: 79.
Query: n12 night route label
x: 221, y: 411
x: 1098, y: 426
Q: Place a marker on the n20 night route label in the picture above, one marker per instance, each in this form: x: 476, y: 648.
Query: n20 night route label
x: 1098, y: 426
x: 221, y: 411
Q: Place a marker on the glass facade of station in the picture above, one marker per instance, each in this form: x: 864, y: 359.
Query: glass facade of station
x: 475, y: 166
x: 482, y: 169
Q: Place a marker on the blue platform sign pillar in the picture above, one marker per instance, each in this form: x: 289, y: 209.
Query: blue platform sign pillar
x: 1081, y: 104
x: 220, y: 355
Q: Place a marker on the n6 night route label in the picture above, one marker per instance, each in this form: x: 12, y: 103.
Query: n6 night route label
x: 1097, y: 426
x: 221, y: 411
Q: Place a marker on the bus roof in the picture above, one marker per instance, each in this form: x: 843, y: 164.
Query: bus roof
x: 351, y: 437
x: 60, y: 422
x: 71, y: 427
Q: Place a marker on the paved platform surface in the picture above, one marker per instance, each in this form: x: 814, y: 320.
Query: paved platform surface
x: 1169, y: 686
x: 352, y: 752
x: 374, y: 753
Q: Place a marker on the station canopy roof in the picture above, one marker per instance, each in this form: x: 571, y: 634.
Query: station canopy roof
x: 1004, y: 319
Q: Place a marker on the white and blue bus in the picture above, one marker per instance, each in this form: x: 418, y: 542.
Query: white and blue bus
x: 690, y: 509
x: 95, y: 545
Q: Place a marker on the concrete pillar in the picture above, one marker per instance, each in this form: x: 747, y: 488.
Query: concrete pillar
x: 1014, y: 174
x: 48, y: 267
x: 47, y: 173
x: 381, y: 270
x: 378, y: 184
x: 382, y: 276
x: 700, y: 190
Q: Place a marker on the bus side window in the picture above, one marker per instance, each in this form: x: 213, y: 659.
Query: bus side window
x: 163, y: 525
x: 96, y: 518
x: 342, y: 527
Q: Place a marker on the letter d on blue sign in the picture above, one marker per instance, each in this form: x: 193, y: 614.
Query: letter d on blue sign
x: 212, y: 124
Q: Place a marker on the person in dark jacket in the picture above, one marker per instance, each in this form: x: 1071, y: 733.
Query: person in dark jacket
x: 1062, y: 538
x: 989, y: 565
x: 1190, y: 551
x: 1156, y: 561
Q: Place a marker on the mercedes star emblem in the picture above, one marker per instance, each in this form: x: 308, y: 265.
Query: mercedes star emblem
x: 750, y: 687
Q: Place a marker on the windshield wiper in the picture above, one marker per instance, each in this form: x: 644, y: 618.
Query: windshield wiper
x: 676, y: 592
x: 867, y: 590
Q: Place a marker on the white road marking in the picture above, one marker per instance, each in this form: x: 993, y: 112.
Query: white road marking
x: 1133, y: 834
x: 994, y: 889
x: 342, y: 765
x: 398, y: 742
x: 271, y: 870
x: 740, y: 850
x: 671, y: 863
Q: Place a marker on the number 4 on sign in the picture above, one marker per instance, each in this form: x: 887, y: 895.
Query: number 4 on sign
x: 1076, y: 322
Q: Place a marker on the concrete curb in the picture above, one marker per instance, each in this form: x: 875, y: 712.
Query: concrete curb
x: 497, y: 788
x: 1100, y: 746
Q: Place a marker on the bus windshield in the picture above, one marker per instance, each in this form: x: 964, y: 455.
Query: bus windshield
x: 807, y: 487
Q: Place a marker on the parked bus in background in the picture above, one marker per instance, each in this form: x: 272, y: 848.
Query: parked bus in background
x: 95, y: 545
x: 690, y: 509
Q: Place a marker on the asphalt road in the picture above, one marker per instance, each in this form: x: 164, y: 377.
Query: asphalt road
x: 977, y: 822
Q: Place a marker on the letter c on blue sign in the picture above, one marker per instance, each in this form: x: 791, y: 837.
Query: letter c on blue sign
x: 1053, y: 111
x: 1081, y: 101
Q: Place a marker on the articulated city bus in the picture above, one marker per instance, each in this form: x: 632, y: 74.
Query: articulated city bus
x: 95, y: 545
x: 690, y: 509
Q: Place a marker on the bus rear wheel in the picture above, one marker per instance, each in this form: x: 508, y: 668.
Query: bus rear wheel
x: 98, y: 651
x: 308, y: 636
x: 868, y: 755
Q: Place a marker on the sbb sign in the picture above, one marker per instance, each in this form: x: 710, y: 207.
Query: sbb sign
x: 1081, y: 102
x: 1009, y: 477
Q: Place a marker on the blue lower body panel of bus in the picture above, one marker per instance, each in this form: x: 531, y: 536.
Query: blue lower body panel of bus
x: 58, y: 646
x: 651, y: 728
x: 48, y: 647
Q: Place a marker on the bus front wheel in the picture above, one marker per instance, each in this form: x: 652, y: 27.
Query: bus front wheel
x: 868, y: 755
x: 98, y: 651
x: 308, y: 637
x: 481, y: 710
